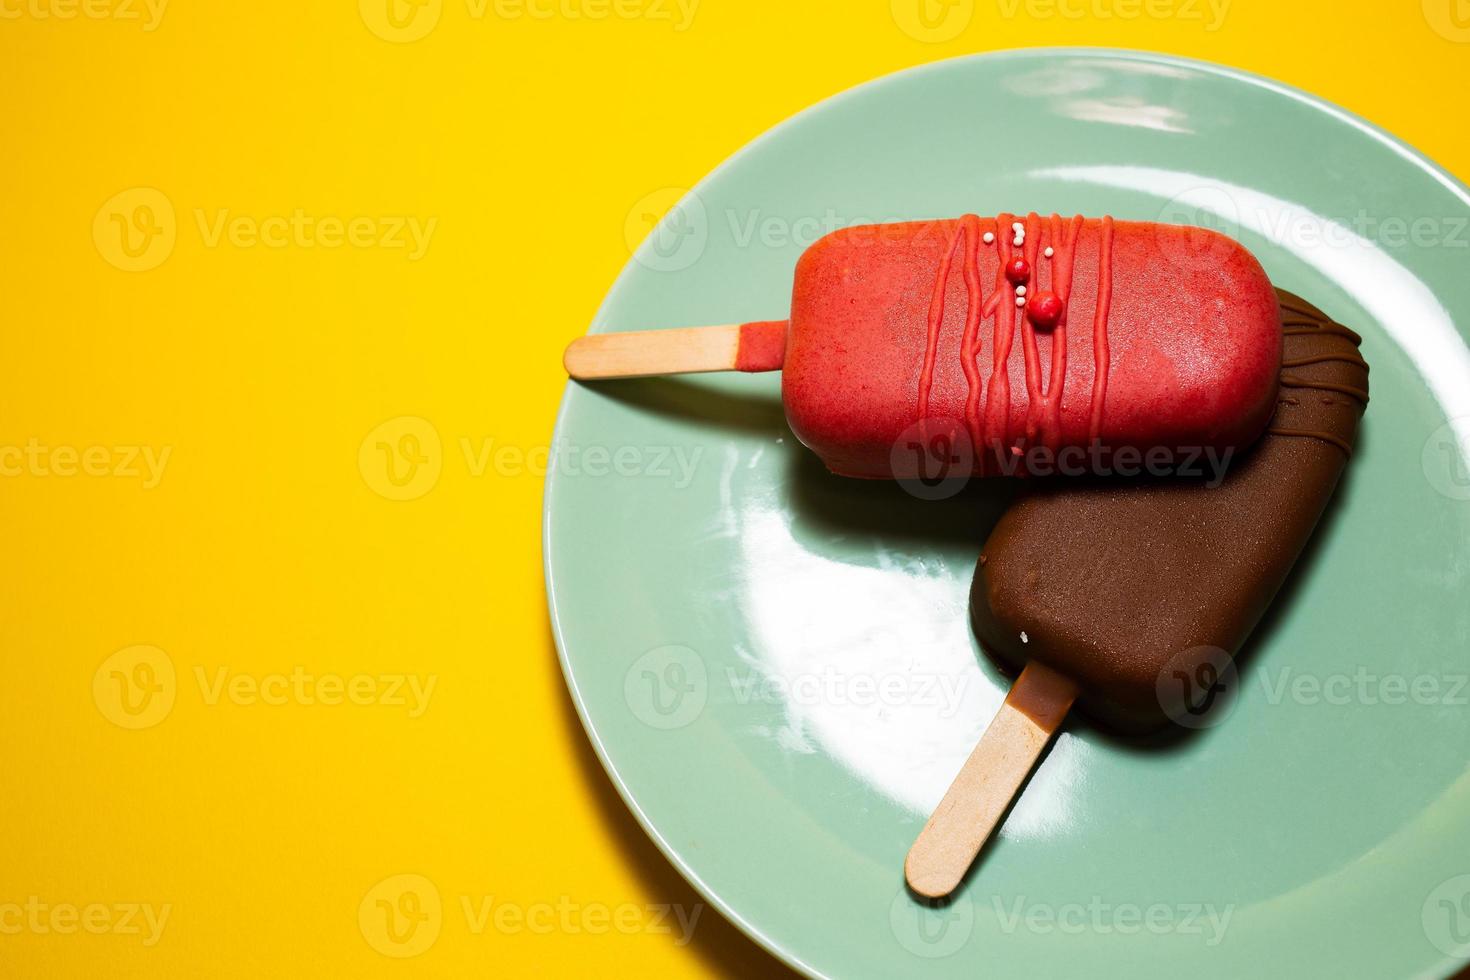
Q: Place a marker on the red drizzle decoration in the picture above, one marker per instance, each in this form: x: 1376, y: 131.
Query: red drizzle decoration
x: 989, y: 426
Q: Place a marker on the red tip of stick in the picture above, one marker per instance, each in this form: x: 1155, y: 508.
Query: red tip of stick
x: 762, y: 346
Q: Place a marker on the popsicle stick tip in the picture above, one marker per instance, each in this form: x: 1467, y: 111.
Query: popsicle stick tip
x: 681, y: 350
x: 571, y: 358
x: 931, y: 882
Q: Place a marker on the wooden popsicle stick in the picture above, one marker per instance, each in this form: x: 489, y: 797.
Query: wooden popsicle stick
x: 682, y: 350
x: 757, y: 346
x: 990, y: 779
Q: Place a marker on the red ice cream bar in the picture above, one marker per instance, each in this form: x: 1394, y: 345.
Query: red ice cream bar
x: 1043, y: 344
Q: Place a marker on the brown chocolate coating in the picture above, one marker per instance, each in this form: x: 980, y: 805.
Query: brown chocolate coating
x: 1119, y: 583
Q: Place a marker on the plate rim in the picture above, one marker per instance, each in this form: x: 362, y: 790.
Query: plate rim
x: 1402, y: 148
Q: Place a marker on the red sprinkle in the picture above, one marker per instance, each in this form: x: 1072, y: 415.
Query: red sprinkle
x: 1045, y: 309
x: 1018, y: 271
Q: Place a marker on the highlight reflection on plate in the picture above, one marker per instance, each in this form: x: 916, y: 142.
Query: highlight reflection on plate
x: 872, y: 664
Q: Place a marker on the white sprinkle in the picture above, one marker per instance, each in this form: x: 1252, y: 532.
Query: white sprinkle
x: 990, y: 238
x: 1017, y: 227
x: 1024, y: 637
x: 1019, y: 242
x: 1020, y: 301
x: 1050, y: 251
x: 1020, y: 290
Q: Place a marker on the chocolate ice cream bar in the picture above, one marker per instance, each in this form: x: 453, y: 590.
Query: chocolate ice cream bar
x: 1125, y: 589
x: 1130, y: 598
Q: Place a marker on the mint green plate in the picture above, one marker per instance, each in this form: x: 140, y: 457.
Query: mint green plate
x: 775, y: 665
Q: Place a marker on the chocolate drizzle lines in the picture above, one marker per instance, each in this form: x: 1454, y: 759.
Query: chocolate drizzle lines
x: 1337, y: 441
x: 1296, y: 381
x: 1308, y: 322
x: 1333, y: 329
x: 1353, y: 359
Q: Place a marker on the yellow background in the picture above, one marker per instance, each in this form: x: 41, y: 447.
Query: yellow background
x: 281, y: 377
